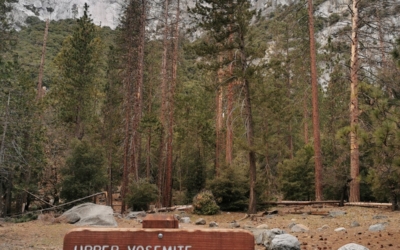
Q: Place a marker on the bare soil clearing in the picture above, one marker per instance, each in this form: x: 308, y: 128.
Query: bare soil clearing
x: 41, y: 234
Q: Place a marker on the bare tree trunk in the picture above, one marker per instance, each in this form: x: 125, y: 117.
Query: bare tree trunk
x: 109, y: 186
x: 3, y: 191
x: 168, y: 186
x: 40, y: 85
x: 128, y: 134
x: 250, y: 143
x: 148, y: 146
x: 218, y: 129
x: 316, y: 130
x: 229, y: 124
x: 305, y: 118
x: 229, y: 111
x: 218, y: 141
x: 354, y: 150
x: 138, y: 98
x: 288, y: 83
x: 249, y: 127
x: 5, y: 126
x: 164, y: 106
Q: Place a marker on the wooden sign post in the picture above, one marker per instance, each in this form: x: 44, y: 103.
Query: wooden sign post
x: 158, y: 239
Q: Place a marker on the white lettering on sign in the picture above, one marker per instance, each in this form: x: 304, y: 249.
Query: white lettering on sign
x: 134, y: 247
x: 97, y: 247
x: 140, y: 247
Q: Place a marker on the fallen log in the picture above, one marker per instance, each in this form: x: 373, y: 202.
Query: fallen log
x: 245, y: 217
x: 323, y: 213
x: 368, y: 204
x: 298, y: 203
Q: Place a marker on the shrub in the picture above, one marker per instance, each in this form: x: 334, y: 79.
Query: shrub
x: 141, y: 194
x: 204, y: 203
x: 230, y: 190
x: 297, y: 175
x: 84, y: 172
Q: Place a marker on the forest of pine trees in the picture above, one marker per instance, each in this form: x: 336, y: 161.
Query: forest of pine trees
x: 219, y: 97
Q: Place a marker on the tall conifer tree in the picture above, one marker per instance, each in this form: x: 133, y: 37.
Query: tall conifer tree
x: 78, y: 63
x: 131, y: 44
x: 226, y: 23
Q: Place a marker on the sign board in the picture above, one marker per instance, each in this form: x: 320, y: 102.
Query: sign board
x: 160, y: 221
x: 158, y: 239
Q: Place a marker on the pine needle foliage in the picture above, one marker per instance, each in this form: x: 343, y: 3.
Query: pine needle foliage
x: 84, y: 173
x: 79, y: 64
x: 141, y: 194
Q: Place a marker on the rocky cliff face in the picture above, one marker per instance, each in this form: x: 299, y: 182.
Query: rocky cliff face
x: 104, y: 12
x: 107, y: 12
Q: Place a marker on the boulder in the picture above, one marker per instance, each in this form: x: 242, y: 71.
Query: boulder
x: 90, y: 214
x: 285, y: 242
x: 336, y: 213
x: 136, y: 215
x: 324, y: 227
x: 234, y: 224
x: 268, y: 235
x: 200, y: 221
x: 213, y: 224
x: 185, y: 220
x: 299, y: 228
x: 377, y: 227
x: 379, y: 217
x: 263, y: 226
x: 340, y: 229
x: 353, y: 246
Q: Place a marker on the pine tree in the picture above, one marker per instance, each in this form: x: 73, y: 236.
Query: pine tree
x: 131, y: 46
x: 226, y: 24
x: 21, y: 156
x: 78, y: 63
x: 354, y: 110
x: 314, y: 84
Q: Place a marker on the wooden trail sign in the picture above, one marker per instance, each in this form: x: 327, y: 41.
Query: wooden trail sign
x: 158, y: 239
x: 160, y: 221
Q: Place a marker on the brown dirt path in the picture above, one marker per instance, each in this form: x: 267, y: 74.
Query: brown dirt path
x: 41, y: 234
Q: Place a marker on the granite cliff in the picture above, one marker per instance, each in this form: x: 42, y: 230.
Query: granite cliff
x: 107, y: 12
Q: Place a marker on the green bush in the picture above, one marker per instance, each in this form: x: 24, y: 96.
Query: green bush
x: 84, y: 173
x: 297, y: 175
x: 204, y: 203
x: 230, y: 190
x: 141, y: 194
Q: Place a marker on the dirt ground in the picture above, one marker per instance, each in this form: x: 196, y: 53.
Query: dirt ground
x: 44, y: 234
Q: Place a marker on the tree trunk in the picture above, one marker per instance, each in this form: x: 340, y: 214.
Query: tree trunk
x: 229, y: 111
x: 127, y: 141
x: 171, y: 95
x: 288, y: 88
x: 305, y: 118
x: 229, y: 124
x: 138, y: 97
x: 354, y: 150
x: 314, y: 84
x: 109, y: 186
x: 40, y: 85
x: 218, y: 129
x: 250, y: 143
x: 164, y: 109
